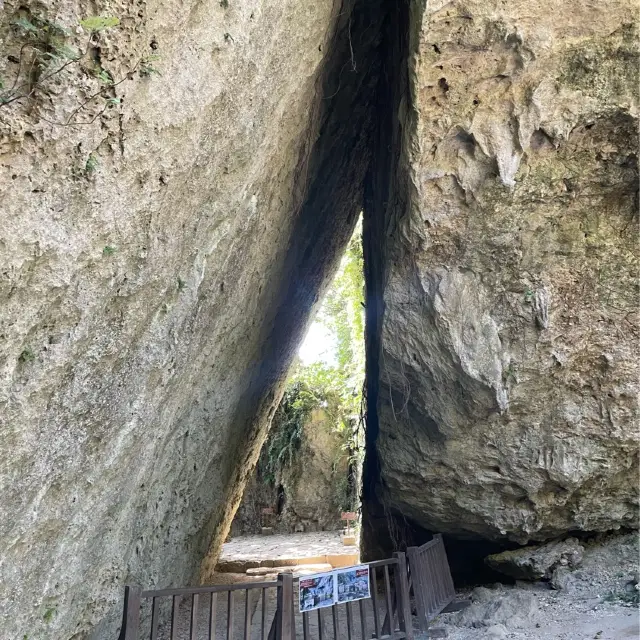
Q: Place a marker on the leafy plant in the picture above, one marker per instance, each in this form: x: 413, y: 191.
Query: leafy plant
x: 103, y: 75
x: 342, y: 312
x: 336, y: 388
x: 510, y: 374
x: 27, y: 355
x: 285, y: 439
x: 528, y: 295
x: 25, y: 25
x: 181, y: 284
x: 45, y: 52
x: 146, y: 67
x: 49, y: 613
x: 108, y: 250
x: 91, y: 164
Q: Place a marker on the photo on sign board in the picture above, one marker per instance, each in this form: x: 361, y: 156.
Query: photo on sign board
x: 353, y: 584
x: 317, y: 591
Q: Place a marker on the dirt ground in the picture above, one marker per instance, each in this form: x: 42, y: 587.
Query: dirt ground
x: 244, y: 552
x: 598, y: 600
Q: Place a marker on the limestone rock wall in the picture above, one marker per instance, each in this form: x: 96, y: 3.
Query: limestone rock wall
x: 310, y: 493
x: 162, y: 246
x: 506, y: 294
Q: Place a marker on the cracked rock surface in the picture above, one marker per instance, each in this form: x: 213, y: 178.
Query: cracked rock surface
x: 508, y: 378
x: 162, y: 247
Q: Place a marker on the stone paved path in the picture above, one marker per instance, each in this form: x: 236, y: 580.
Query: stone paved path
x: 323, y: 547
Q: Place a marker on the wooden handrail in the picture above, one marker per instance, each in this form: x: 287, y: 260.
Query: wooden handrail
x: 217, y: 588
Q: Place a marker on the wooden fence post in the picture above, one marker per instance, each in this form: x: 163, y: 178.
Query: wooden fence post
x: 285, y: 627
x: 131, y: 614
x: 402, y: 595
x: 418, y: 580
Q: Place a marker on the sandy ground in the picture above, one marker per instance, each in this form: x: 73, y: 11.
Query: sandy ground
x: 559, y: 616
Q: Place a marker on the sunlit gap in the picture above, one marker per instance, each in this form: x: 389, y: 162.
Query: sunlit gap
x: 309, y: 471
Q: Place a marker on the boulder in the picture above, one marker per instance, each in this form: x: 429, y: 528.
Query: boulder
x: 512, y: 608
x: 174, y: 204
x: 563, y: 579
x: 503, y: 331
x: 539, y: 561
x: 496, y: 632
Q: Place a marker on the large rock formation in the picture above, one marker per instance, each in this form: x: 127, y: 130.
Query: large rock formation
x: 165, y: 236
x: 503, y: 288
x: 308, y: 490
x: 171, y: 206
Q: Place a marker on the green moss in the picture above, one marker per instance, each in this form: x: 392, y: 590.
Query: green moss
x: 27, y: 355
x: 49, y: 613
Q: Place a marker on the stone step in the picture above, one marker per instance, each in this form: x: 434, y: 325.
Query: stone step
x: 333, y: 560
x: 298, y: 570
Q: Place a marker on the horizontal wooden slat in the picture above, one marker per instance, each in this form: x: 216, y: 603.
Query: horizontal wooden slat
x: 382, y: 563
x: 187, y: 591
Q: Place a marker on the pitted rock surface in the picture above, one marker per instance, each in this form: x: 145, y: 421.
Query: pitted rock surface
x: 162, y: 251
x: 507, y: 330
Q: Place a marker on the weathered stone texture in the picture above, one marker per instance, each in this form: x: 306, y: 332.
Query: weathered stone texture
x: 508, y: 365
x: 310, y: 493
x: 158, y: 268
x: 538, y: 561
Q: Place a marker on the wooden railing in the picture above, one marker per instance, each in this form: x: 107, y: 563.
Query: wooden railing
x: 194, y: 613
x: 430, y: 579
x: 209, y: 612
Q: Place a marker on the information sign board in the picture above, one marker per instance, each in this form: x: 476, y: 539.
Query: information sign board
x: 334, y: 587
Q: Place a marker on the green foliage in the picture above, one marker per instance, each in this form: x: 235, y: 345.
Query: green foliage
x: 45, y: 53
x: 108, y: 250
x: 49, y: 613
x: 181, y: 284
x: 224, y: 4
x: 27, y: 355
x: 99, y: 23
x: 25, y: 24
x: 64, y: 52
x: 335, y: 388
x: 528, y: 295
x: 342, y: 312
x: 510, y: 373
x: 46, y: 40
x: 103, y: 75
x: 146, y: 67
x: 285, y: 439
x: 91, y: 165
